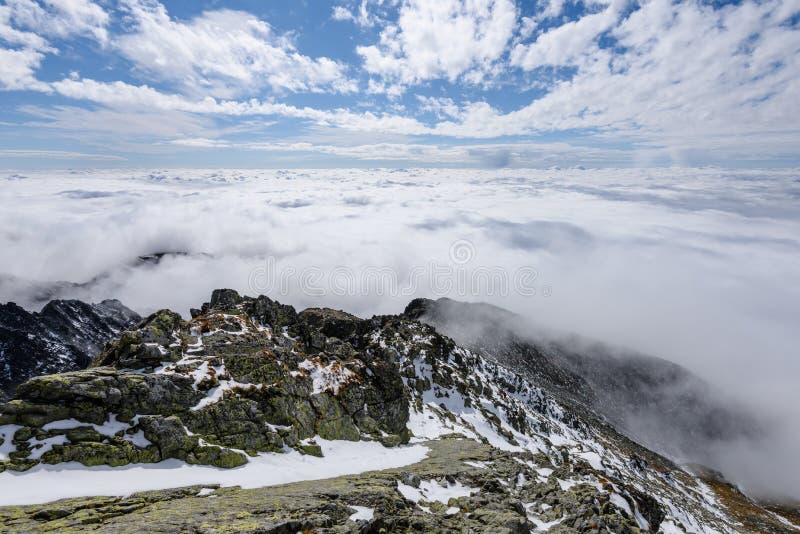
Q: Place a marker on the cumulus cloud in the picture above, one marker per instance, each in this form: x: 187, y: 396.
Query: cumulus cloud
x: 341, y: 13
x: 60, y: 18
x: 26, y: 25
x: 16, y: 36
x: 446, y: 39
x: 565, y: 44
x: 18, y: 69
x: 441, y: 106
x: 223, y: 53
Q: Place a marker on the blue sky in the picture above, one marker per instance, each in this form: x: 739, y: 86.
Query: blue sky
x: 486, y: 83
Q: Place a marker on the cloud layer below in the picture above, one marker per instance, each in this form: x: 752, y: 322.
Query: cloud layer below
x: 697, y: 266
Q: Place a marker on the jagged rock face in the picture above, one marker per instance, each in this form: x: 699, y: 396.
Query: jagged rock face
x: 248, y: 376
x: 64, y: 336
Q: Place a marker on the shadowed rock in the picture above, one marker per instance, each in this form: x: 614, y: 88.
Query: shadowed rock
x: 64, y: 336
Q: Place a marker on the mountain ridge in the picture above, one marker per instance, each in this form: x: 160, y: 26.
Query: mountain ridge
x: 64, y: 336
x: 652, y: 400
x: 250, y: 380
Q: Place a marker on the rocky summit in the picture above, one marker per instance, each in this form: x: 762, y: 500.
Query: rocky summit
x: 265, y: 402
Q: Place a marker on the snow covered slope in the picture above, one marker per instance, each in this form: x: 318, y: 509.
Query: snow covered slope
x: 653, y: 401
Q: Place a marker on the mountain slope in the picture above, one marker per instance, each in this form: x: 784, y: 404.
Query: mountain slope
x: 460, y: 442
x: 64, y: 336
x: 653, y: 401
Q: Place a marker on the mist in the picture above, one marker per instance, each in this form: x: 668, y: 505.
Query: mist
x: 696, y: 266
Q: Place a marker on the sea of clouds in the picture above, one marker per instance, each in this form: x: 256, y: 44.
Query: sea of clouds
x: 699, y: 266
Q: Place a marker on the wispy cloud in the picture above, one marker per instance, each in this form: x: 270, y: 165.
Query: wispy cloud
x: 58, y: 154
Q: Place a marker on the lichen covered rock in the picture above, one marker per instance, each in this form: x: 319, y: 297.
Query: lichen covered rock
x: 243, y: 376
x: 153, y: 342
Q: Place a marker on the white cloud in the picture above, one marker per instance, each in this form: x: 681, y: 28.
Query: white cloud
x: 15, y: 36
x: 200, y: 142
x: 25, y: 24
x: 683, y: 78
x: 441, y: 107
x: 18, y: 69
x: 565, y: 44
x: 684, y: 67
x: 444, y: 39
x: 57, y: 154
x: 686, y: 77
x: 477, y: 155
x: 341, y: 13
x: 552, y: 9
x: 112, y: 126
x: 479, y: 120
x: 363, y: 15
x: 121, y: 94
x: 223, y: 53
x: 61, y: 18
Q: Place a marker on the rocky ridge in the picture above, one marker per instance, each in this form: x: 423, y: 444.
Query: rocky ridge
x: 247, y: 377
x: 64, y: 336
x: 653, y: 401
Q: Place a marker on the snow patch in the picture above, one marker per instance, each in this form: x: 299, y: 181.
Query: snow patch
x: 669, y: 527
x: 428, y: 424
x: 431, y: 490
x: 544, y: 471
x: 593, y: 459
x: 7, y: 434
x: 362, y: 513
x: 327, y: 378
x: 620, y: 502
x: 215, y: 394
x: 540, y: 526
x: 571, y: 483
x: 110, y: 428
x: 45, y: 483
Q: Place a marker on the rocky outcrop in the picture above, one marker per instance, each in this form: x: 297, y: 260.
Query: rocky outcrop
x: 243, y: 376
x: 64, y: 336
